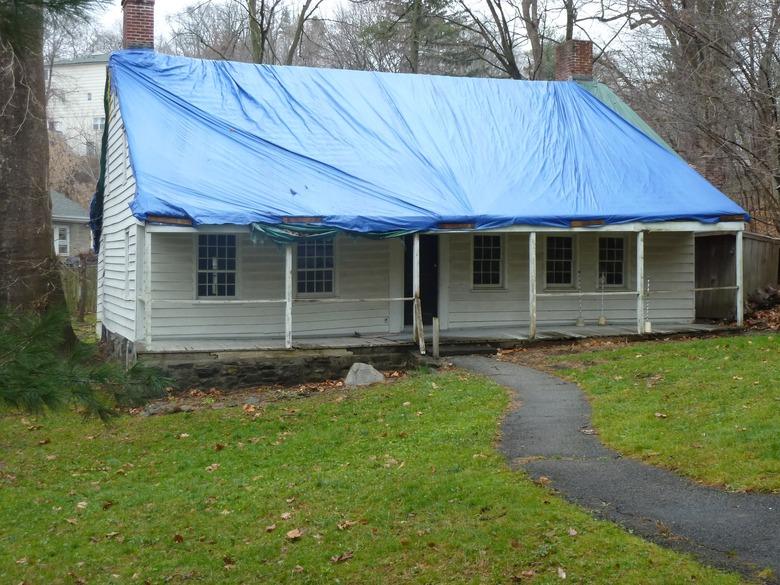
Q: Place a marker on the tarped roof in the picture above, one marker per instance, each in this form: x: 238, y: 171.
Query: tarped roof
x: 234, y: 143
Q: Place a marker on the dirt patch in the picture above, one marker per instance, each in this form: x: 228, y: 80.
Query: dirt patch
x: 249, y: 399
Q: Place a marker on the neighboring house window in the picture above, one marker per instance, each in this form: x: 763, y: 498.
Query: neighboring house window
x: 488, y: 261
x: 612, y: 261
x: 54, y: 125
x: 560, y: 260
x: 217, y: 265
x: 98, y: 123
x: 315, y: 266
x: 62, y: 240
x: 91, y: 148
x: 89, y: 97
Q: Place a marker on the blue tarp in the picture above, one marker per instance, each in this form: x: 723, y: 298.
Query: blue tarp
x: 233, y: 143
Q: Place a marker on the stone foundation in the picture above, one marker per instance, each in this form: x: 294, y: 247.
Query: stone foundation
x: 243, y: 369
x: 118, y: 347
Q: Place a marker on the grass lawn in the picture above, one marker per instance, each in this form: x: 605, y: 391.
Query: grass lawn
x: 709, y: 409
x: 390, y: 484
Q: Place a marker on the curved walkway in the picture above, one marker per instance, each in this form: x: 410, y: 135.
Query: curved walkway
x: 545, y: 435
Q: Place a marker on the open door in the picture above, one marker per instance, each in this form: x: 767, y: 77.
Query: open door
x: 429, y: 278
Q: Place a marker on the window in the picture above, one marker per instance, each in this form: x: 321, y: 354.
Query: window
x: 98, y: 123
x: 315, y: 266
x: 91, y: 148
x: 54, y: 125
x: 560, y: 260
x: 61, y: 240
x: 89, y: 97
x: 217, y: 265
x: 487, y: 263
x: 612, y: 261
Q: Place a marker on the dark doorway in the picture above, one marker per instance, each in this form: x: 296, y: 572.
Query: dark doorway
x: 429, y: 277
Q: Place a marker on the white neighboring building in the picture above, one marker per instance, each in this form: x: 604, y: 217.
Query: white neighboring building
x: 76, y: 107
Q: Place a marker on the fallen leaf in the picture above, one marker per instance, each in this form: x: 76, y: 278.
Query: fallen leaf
x: 543, y: 480
x: 345, y: 556
x: 660, y: 415
x: 294, y: 534
x: 183, y: 435
x: 71, y: 521
x: 111, y: 535
x: 572, y: 532
x: 45, y: 441
x: 561, y: 573
x: 22, y: 561
x: 212, y: 467
x: 346, y: 524
x: 178, y: 538
x: 228, y: 562
x: 81, y: 506
x: 286, y: 516
x: 249, y: 408
x: 107, y: 504
x: 219, y: 447
x: 407, y: 403
x: 297, y: 569
x: 270, y: 528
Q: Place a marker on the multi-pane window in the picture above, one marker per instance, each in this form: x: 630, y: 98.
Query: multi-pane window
x: 61, y: 240
x: 612, y: 261
x: 315, y: 266
x: 486, y: 269
x: 98, y: 123
x: 216, y: 265
x: 560, y: 260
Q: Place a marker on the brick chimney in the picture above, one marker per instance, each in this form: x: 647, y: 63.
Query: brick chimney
x: 138, y: 24
x: 574, y: 60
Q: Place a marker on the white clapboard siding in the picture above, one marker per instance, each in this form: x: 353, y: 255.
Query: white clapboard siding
x: 668, y: 264
x: 117, y: 294
x: 362, y: 271
x: 474, y: 307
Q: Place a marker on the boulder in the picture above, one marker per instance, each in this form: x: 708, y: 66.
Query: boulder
x: 363, y: 375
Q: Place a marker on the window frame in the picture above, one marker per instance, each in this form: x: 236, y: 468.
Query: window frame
x: 57, y: 228
x: 236, y: 271
x: 98, y: 123
x: 624, y: 267
x: 502, y: 263
x: 572, y: 285
x: 310, y: 295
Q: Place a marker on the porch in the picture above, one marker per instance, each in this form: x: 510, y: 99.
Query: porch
x: 488, y: 336
x: 212, y: 289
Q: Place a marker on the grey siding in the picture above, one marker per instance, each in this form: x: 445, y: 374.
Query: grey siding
x: 117, y: 293
x: 668, y: 265
x: 363, y: 270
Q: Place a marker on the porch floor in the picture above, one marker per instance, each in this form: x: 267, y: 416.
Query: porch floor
x: 484, y: 335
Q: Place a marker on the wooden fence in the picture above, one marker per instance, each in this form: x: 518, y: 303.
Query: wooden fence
x: 715, y: 267
x: 80, y: 284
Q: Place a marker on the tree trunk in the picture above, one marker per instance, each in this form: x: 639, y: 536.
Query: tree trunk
x: 256, y: 34
x: 29, y: 274
x: 298, y: 34
x: 416, y: 33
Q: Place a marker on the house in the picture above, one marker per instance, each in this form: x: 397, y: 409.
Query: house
x: 75, y: 105
x: 256, y: 208
x: 70, y: 224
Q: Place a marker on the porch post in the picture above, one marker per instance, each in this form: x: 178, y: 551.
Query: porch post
x: 288, y: 288
x: 640, y: 282
x: 147, y: 286
x: 740, y: 280
x: 532, y: 285
x: 417, y: 326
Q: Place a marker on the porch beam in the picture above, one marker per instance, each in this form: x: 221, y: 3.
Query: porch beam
x: 740, y: 284
x: 640, y: 282
x: 532, y: 285
x: 288, y: 295
x: 663, y: 226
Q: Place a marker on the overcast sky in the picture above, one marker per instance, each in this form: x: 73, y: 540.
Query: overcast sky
x: 162, y: 9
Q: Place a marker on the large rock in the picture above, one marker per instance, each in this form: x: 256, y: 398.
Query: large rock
x: 363, y: 375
